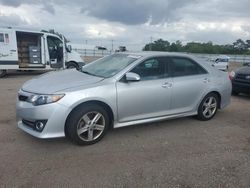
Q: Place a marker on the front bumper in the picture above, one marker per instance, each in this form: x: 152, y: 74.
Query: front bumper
x: 55, y: 115
x: 240, y: 87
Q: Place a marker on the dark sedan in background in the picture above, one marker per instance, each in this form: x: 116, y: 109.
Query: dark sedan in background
x: 241, y: 80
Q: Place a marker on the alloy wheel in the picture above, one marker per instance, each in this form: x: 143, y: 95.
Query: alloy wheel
x: 209, y: 107
x: 91, y: 126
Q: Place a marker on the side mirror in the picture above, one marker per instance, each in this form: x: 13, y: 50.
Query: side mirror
x: 69, y: 48
x: 130, y: 76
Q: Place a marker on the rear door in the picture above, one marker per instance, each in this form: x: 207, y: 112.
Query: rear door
x: 149, y: 97
x: 190, y: 81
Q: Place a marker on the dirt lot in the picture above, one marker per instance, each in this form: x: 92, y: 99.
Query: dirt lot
x: 176, y: 153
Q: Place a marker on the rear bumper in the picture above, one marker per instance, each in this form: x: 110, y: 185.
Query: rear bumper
x: 241, y: 87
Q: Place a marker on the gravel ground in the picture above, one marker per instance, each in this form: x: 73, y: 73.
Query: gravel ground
x: 176, y: 153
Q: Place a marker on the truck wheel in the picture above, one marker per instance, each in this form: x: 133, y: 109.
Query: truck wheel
x: 72, y: 65
x: 2, y: 73
x: 87, y: 124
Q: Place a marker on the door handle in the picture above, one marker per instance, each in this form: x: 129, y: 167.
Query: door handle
x: 167, y: 85
x: 206, y: 80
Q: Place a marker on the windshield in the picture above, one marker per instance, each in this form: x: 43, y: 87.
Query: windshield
x: 109, y: 65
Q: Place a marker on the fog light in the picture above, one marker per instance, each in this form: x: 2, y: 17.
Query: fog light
x: 39, y: 125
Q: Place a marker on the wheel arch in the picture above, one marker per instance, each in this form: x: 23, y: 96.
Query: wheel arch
x: 98, y: 102
x: 219, y: 97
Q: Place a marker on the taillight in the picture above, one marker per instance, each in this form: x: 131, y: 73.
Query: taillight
x: 231, y: 75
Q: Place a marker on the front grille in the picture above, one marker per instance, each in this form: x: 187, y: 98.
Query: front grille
x: 244, y: 78
x: 22, y: 98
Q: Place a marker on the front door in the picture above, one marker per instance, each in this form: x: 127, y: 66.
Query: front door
x: 150, y: 97
x: 55, y: 48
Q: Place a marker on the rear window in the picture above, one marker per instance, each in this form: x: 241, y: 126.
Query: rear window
x: 185, y: 67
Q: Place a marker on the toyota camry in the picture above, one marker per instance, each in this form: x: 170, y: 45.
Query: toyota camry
x: 120, y: 90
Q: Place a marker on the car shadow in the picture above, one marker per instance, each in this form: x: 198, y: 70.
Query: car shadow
x: 242, y: 96
x: 113, y: 134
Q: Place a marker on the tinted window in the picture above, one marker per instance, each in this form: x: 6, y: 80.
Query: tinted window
x: 151, y: 69
x: 184, y: 67
x: 1, y: 37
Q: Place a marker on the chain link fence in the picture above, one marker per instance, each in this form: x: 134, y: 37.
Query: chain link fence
x: 100, y: 53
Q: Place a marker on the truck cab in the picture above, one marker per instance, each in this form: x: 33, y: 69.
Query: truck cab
x: 31, y: 50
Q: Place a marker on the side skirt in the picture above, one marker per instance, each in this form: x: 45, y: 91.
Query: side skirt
x: 155, y: 119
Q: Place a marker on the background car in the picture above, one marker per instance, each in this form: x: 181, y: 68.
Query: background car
x: 120, y: 90
x: 241, y: 80
x: 246, y: 64
x: 221, y: 62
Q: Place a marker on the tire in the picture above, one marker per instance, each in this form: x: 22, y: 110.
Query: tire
x: 208, y: 107
x: 2, y: 73
x: 72, y: 65
x: 81, y: 122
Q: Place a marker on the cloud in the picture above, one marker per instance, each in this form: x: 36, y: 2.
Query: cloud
x: 132, y: 23
x: 46, y: 5
x: 135, y: 12
x: 11, y: 20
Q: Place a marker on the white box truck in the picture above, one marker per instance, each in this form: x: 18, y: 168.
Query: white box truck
x: 31, y: 50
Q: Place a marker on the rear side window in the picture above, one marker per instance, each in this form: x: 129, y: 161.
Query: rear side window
x: 152, y: 69
x: 4, y: 38
x: 1, y: 37
x: 185, y: 67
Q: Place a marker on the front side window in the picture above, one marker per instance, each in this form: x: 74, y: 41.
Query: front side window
x: 185, y: 67
x: 151, y: 69
x: 55, y: 47
x: 110, y: 65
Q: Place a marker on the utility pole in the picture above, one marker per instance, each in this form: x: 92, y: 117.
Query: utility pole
x: 150, y: 46
x: 112, y: 45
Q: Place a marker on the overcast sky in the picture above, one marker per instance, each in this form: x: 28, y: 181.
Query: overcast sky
x: 132, y: 23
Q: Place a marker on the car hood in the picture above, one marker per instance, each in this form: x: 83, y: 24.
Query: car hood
x: 243, y: 70
x: 52, y: 82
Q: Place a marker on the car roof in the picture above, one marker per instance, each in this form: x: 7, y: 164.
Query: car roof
x: 155, y: 53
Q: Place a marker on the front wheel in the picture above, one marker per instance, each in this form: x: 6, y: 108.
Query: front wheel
x: 208, y: 107
x: 87, y: 124
x: 72, y: 65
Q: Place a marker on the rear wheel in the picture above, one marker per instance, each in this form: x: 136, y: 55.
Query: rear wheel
x: 87, y: 124
x: 2, y: 73
x: 208, y: 107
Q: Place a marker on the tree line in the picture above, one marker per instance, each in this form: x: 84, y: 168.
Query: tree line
x: 238, y: 47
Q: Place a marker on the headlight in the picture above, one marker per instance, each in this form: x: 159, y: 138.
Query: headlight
x: 44, y: 99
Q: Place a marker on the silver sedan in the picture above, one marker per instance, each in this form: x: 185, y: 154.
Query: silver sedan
x: 120, y: 90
